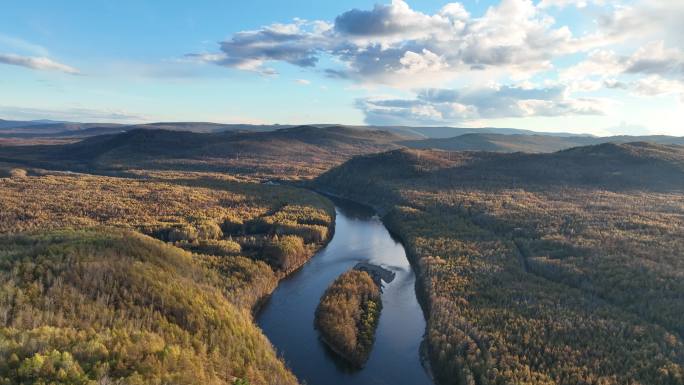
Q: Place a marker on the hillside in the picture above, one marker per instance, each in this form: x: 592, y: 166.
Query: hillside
x: 609, y: 166
x: 50, y: 128
x: 40, y: 129
x: 529, y: 143
x: 86, y: 298
x: 558, y: 268
x: 294, y: 151
x: 101, y: 306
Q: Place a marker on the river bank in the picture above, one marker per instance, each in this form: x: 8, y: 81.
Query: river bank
x: 287, y: 317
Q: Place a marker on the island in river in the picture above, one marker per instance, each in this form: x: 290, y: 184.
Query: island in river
x: 348, y: 315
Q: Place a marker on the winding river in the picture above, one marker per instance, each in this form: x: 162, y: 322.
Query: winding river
x: 288, y: 317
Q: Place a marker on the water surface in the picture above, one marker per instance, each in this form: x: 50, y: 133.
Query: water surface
x: 288, y: 317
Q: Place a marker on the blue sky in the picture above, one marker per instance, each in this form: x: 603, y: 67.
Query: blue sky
x: 552, y: 65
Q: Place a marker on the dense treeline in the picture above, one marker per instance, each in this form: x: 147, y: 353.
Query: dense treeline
x: 109, y: 305
x: 533, y: 281
x: 348, y: 315
x: 278, y: 224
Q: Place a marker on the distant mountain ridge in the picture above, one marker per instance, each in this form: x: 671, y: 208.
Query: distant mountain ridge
x: 445, y: 138
x: 66, y: 129
x: 608, y: 165
x: 302, y: 147
x: 25, y: 123
x: 529, y: 143
x: 215, y: 140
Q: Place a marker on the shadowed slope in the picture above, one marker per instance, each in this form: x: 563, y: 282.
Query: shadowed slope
x: 303, y: 150
x: 529, y: 143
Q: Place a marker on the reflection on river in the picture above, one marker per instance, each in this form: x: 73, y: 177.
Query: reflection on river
x: 288, y: 317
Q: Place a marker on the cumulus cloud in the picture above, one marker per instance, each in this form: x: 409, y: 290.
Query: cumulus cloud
x: 389, y: 42
x: 448, y: 106
x: 397, y: 45
x: 397, y: 22
x: 655, y: 58
x: 655, y: 85
x: 37, y: 63
x: 425, y: 61
x: 662, y: 68
x: 645, y: 19
x: 512, y: 41
x: 297, y: 43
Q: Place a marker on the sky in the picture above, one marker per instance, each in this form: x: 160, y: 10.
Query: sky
x: 583, y: 66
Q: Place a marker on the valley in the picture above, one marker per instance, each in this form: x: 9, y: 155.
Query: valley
x: 558, y: 268
x: 386, y: 192
x: 597, y: 296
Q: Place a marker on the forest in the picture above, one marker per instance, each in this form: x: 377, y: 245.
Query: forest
x: 531, y: 281
x: 348, y: 315
x: 108, y: 280
x: 560, y: 268
x: 292, y: 153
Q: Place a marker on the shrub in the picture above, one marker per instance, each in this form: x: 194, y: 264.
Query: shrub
x: 233, y: 225
x: 214, y: 247
x: 183, y: 233
x: 257, y: 226
x: 209, y: 230
x: 285, y: 253
x: 309, y: 233
x: 18, y: 173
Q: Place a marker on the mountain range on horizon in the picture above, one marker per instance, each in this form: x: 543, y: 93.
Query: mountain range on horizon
x: 27, y: 128
x: 441, y: 138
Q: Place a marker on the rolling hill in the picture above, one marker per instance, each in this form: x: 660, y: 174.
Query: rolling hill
x: 302, y: 150
x: 86, y: 298
x: 117, y: 304
x: 609, y: 165
x: 40, y: 128
x: 558, y: 268
x: 534, y: 143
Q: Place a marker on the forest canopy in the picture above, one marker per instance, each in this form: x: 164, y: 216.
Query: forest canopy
x: 348, y: 315
x: 558, y: 268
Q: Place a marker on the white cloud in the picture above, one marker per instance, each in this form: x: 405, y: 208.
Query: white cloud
x: 37, y: 63
x: 303, y: 82
x: 392, y: 43
x: 568, y: 3
x: 448, y: 106
x: 635, y: 47
x: 655, y: 85
x: 645, y: 20
x: 662, y: 67
x: 426, y: 61
x: 655, y: 58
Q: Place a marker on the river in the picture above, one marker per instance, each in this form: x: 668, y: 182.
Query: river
x: 288, y: 316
